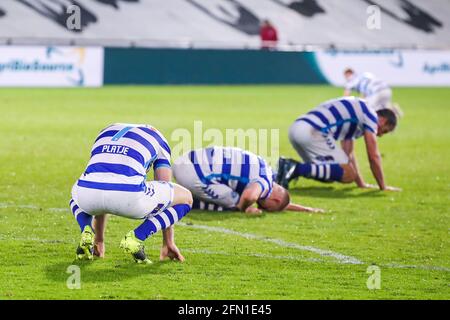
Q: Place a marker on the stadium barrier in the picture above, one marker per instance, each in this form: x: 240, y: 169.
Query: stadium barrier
x: 209, y: 66
x: 62, y: 66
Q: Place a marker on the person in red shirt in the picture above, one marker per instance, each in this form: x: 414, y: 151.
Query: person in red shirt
x: 268, y: 34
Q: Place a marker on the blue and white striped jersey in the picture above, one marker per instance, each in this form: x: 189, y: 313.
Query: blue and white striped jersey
x: 345, y: 118
x: 233, y: 167
x: 366, y: 84
x: 121, y: 156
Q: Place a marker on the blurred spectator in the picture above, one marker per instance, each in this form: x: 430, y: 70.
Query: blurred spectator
x: 268, y: 34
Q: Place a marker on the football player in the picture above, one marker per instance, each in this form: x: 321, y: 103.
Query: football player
x: 376, y: 92
x: 114, y: 182
x: 226, y: 178
x: 324, y: 139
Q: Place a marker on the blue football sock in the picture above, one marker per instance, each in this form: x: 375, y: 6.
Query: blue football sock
x: 322, y: 172
x: 161, y: 221
x: 302, y: 170
x: 82, y: 217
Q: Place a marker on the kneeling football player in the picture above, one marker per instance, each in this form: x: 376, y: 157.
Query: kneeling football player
x: 324, y: 139
x: 114, y: 182
x: 226, y: 178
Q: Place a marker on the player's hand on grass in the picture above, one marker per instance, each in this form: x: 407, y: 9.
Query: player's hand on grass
x: 172, y: 252
x: 299, y: 208
x: 393, y: 189
x: 99, y: 249
x: 314, y: 210
x: 368, y: 186
x: 253, y: 210
x: 374, y: 186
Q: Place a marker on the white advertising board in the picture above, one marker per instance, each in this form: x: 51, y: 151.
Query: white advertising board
x: 396, y: 67
x: 30, y: 66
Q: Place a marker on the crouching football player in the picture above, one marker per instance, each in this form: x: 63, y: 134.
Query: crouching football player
x: 115, y: 182
x: 225, y: 178
x: 315, y: 137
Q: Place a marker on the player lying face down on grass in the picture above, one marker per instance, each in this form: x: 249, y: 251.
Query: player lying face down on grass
x: 114, y: 182
x: 226, y: 178
x: 316, y: 136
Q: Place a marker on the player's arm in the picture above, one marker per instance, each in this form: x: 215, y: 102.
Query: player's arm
x: 349, y: 88
x: 349, y: 148
x: 99, y: 229
x: 249, y: 197
x: 163, y: 173
x: 374, y: 156
x: 161, y: 166
x: 169, y: 249
x: 299, y: 208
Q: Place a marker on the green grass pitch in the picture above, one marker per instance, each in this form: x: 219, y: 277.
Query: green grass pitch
x: 46, y: 136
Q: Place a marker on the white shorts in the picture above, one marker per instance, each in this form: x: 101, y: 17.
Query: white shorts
x: 133, y: 205
x: 314, y: 146
x: 220, y: 194
x: 380, y: 100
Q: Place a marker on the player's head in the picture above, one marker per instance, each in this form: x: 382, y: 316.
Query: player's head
x: 348, y: 73
x: 277, y: 201
x: 387, y: 121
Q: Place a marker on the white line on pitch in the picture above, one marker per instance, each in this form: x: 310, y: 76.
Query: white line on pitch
x: 4, y: 205
x: 257, y: 255
x: 402, y: 266
x: 340, y: 257
x: 324, y: 253
x: 194, y: 251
